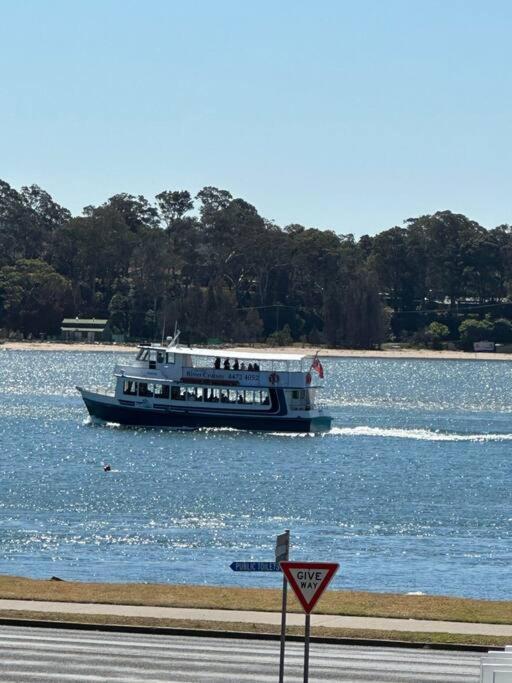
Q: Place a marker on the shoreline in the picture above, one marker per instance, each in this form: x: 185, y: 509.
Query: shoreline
x: 392, y: 354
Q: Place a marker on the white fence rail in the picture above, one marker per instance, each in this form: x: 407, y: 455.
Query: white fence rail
x: 496, y: 667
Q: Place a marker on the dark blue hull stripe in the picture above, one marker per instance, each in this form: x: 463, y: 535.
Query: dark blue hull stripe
x: 189, y: 419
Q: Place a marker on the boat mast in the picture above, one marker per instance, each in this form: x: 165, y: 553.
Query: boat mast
x: 174, y: 340
x: 163, y: 326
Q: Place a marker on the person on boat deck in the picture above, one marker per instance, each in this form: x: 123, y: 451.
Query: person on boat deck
x: 236, y: 366
x: 227, y: 365
x: 216, y: 365
x: 256, y: 367
x: 242, y: 367
x: 249, y: 367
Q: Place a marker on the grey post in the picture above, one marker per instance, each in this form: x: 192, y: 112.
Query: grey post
x: 306, y: 648
x: 282, y: 553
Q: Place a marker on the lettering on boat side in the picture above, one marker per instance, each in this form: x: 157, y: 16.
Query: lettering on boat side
x: 212, y: 374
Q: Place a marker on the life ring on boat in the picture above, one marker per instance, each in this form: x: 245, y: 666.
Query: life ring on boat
x: 273, y: 378
x: 308, y: 378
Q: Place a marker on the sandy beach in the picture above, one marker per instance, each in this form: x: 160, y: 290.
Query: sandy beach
x: 425, y: 354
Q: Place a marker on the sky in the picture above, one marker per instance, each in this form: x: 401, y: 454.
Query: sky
x: 336, y: 114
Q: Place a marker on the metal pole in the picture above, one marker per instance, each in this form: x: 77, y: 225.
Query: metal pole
x: 283, y: 616
x: 283, y: 630
x: 306, y: 649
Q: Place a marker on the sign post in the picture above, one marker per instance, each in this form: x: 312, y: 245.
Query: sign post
x: 307, y: 630
x: 282, y: 554
x: 308, y: 581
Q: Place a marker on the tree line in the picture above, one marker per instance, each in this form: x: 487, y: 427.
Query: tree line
x: 214, y: 264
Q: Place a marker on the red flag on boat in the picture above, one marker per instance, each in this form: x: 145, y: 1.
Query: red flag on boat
x: 317, y: 366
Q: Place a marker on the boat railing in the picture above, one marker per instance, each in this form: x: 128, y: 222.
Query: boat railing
x: 104, y: 391
x: 133, y: 363
x: 134, y: 367
x: 205, y: 375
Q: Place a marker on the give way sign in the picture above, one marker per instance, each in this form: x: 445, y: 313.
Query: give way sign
x: 309, y: 580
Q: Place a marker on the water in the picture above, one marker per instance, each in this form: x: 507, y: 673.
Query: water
x: 410, y: 491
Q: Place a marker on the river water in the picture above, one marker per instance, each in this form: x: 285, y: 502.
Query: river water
x: 409, y: 492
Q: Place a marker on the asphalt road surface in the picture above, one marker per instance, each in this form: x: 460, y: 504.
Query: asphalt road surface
x: 58, y: 655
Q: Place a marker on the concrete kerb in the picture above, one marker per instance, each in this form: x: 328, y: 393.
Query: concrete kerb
x: 205, y: 633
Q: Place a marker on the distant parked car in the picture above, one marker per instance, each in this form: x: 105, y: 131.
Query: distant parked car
x: 483, y: 346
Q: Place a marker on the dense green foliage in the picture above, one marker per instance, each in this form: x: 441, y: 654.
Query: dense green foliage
x: 223, y: 271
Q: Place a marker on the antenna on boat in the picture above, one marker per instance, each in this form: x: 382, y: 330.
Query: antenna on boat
x: 174, y: 339
x: 163, y: 327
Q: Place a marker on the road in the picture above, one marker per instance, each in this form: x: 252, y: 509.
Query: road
x: 59, y: 655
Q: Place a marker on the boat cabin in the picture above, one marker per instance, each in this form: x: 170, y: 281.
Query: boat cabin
x: 191, y: 388
x: 185, y: 375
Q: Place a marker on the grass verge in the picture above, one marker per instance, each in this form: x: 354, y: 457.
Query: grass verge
x: 347, y: 603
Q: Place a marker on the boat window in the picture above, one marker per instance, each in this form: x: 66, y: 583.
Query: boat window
x: 257, y: 397
x: 215, y: 395
x: 183, y: 393
x: 265, y: 397
x: 175, y: 393
x: 199, y: 393
x: 169, y: 358
x: 145, y: 389
x: 161, y: 391
x: 233, y: 396
x: 295, y: 394
x: 130, y: 388
x: 249, y: 396
x: 143, y: 354
x: 240, y: 398
x: 160, y: 356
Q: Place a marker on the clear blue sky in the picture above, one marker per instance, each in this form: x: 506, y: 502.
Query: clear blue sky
x: 335, y: 114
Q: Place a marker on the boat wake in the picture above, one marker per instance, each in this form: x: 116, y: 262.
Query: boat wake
x: 380, y: 432
x: 417, y: 434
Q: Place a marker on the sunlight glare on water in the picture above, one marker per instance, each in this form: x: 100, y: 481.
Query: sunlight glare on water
x: 410, y: 491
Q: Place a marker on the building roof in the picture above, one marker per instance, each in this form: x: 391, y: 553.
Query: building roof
x: 92, y: 321
x: 81, y: 329
x: 83, y: 324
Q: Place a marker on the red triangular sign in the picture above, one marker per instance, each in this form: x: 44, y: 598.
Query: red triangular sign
x: 309, y: 580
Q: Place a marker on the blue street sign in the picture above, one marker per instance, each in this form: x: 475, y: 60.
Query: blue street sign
x: 255, y: 567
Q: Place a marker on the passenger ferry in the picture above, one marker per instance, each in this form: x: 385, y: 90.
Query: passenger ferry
x: 190, y: 388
